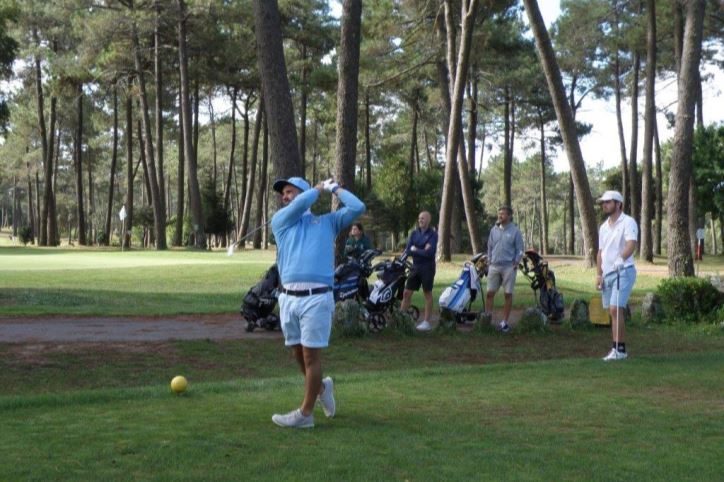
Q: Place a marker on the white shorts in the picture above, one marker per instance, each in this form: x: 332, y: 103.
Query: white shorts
x: 502, y: 275
x: 307, y: 320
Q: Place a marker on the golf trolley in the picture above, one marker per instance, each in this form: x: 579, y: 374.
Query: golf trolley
x: 387, y: 291
x: 543, y: 283
x: 456, y: 300
x: 350, y: 278
x: 258, y: 305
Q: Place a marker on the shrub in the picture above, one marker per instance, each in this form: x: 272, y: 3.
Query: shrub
x: 25, y: 233
x: 484, y: 323
x: 348, y: 319
x: 532, y: 321
x: 101, y: 238
x: 579, y: 314
x: 688, y: 299
x: 401, y: 322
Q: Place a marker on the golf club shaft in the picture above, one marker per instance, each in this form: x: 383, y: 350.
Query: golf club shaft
x: 251, y: 232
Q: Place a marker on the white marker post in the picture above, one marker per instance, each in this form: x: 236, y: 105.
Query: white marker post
x: 700, y: 235
x: 122, y: 214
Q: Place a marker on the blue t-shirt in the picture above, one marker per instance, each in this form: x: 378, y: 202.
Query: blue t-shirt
x: 305, y: 242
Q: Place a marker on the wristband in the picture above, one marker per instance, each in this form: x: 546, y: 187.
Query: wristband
x: 334, y: 190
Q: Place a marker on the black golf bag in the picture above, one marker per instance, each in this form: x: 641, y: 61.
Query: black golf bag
x: 456, y: 301
x: 543, y: 280
x: 391, y: 277
x: 258, y: 305
x: 350, y: 278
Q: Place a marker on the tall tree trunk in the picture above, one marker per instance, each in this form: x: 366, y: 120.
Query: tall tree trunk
x: 245, y: 162
x: 197, y: 214
x: 454, y: 140
x: 197, y: 101
x: 91, y: 202
x: 619, y: 120
x: 413, y: 139
x: 633, y: 181
x: 53, y: 150
x: 368, y: 147
x: 180, y: 185
x: 472, y: 119
x: 112, y: 176
x: 31, y: 210
x: 508, y: 154
x: 647, y: 188
x: 450, y: 176
x: 263, y: 183
x: 568, y: 131
x: 347, y: 94
x: 212, y: 123
x: 127, y: 236
x: 659, y: 203
x: 303, y: 115
x: 543, y: 201
x: 159, y: 217
x: 232, y: 151
x: 249, y: 191
x: 158, y: 69
x: 572, y: 212
x: 284, y: 149
x: 80, y: 211
x: 679, y: 244
x: 47, y: 167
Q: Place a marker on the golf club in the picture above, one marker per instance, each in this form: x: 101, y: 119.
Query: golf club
x: 230, y: 250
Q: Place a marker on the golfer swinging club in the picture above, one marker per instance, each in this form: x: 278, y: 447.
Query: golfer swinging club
x: 305, y: 257
x: 616, y: 273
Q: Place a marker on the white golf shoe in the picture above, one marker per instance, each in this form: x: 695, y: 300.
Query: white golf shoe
x: 294, y: 419
x: 615, y: 355
x: 326, y: 399
x: 424, y: 326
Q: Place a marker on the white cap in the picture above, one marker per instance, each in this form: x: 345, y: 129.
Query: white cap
x: 611, y: 196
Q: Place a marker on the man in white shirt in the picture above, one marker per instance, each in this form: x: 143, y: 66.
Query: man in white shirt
x: 616, y: 273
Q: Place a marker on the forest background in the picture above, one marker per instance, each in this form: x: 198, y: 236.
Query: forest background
x: 157, y: 106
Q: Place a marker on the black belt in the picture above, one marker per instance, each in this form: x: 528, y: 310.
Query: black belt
x: 309, y: 292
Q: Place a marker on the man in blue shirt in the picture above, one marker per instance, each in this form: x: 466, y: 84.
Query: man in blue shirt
x: 305, y: 257
x: 422, y: 246
x: 505, y: 250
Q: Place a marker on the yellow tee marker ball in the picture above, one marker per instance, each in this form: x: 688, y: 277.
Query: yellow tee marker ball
x: 179, y: 384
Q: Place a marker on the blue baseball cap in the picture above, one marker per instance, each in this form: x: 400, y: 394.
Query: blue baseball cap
x: 297, y: 182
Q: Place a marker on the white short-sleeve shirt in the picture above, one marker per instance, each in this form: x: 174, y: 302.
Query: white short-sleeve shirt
x: 612, y: 239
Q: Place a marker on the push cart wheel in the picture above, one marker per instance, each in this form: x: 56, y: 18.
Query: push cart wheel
x: 250, y: 325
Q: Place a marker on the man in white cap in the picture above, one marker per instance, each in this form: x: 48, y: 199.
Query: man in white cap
x: 616, y: 273
x: 305, y: 257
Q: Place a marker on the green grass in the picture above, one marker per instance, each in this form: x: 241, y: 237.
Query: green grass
x: 95, y: 281
x: 651, y: 418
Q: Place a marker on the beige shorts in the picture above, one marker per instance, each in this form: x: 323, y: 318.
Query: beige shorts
x: 504, y: 275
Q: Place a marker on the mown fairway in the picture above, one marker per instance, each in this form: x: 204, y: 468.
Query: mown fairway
x: 460, y: 406
x: 50, y: 281
x: 651, y: 418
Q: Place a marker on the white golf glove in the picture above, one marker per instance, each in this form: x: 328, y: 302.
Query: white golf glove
x: 330, y: 185
x: 618, y: 264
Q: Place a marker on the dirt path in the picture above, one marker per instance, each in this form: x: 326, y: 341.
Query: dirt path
x: 126, y: 329
x: 70, y: 329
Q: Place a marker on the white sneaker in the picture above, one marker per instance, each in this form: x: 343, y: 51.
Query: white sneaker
x: 326, y: 399
x: 424, y: 326
x: 294, y: 419
x: 504, y: 326
x: 614, y: 355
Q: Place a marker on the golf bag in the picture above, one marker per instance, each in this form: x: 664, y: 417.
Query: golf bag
x: 543, y: 280
x: 258, y: 305
x: 457, y: 299
x: 391, y: 277
x: 350, y: 278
